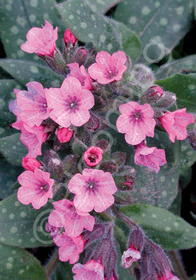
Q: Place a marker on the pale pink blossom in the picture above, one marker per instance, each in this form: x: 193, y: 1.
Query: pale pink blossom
x: 41, y: 41
x: 81, y: 74
x: 70, y: 247
x: 130, y: 256
x: 36, y: 188
x: 65, y: 215
x: 31, y: 105
x: 152, y: 157
x: 33, y: 138
x: 136, y: 122
x: 64, y: 134
x: 175, y: 124
x: 91, y: 270
x: 30, y: 163
x: 93, y: 189
x: 108, y: 68
x: 168, y: 275
x: 70, y: 104
x: 93, y: 156
x: 69, y: 37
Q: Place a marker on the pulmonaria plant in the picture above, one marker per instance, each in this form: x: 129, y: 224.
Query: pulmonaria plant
x: 68, y: 128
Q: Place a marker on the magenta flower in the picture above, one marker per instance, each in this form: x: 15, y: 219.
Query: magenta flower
x: 36, y: 188
x: 152, y: 157
x: 130, y: 256
x: 70, y: 104
x: 41, y: 41
x: 65, y: 215
x: 108, y: 68
x: 168, y: 275
x: 69, y: 37
x: 136, y: 122
x: 93, y: 189
x: 30, y: 163
x: 70, y: 247
x: 81, y: 74
x: 175, y: 124
x: 90, y: 270
x: 93, y: 156
x: 32, y: 104
x: 64, y: 134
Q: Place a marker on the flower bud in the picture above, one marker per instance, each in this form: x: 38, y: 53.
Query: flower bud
x: 93, y: 156
x: 30, y: 163
x: 109, y: 166
x: 64, y: 134
x: 54, y: 164
x: 166, y: 100
x: 69, y: 37
x: 152, y: 94
x: 142, y: 75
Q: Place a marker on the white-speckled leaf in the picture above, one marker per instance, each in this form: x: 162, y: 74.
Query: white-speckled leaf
x: 159, y: 24
x: 163, y: 227
x: 185, y: 65
x: 184, y: 87
x: 105, y: 34
x: 101, y: 6
x: 17, y: 17
x: 23, y: 226
x: 25, y: 71
x: 18, y: 264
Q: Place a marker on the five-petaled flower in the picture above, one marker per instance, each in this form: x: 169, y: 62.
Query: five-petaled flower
x: 36, y: 188
x: 93, y: 189
x: 136, y: 122
x: 108, y: 68
x: 175, y: 124
x: 70, y: 104
x: 152, y: 157
x: 41, y: 41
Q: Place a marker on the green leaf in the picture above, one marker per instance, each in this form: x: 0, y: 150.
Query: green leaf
x: 188, y: 154
x: 163, y: 227
x: 12, y: 149
x: 159, y: 189
x: 8, y: 176
x: 17, y: 17
x: 187, y: 63
x: 6, y: 96
x: 23, y: 226
x: 159, y: 24
x: 193, y: 278
x: 101, y: 6
x: 184, y: 87
x: 62, y: 270
x: 105, y: 34
x: 25, y: 71
x: 18, y: 264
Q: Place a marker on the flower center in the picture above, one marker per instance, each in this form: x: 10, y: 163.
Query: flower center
x: 110, y: 73
x: 92, y: 158
x: 137, y: 115
x: 44, y: 187
x: 72, y: 103
x: 90, y: 185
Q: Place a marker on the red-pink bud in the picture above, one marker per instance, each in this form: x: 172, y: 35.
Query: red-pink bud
x: 69, y: 37
x: 30, y: 163
x: 93, y: 156
x: 157, y: 91
x: 64, y: 134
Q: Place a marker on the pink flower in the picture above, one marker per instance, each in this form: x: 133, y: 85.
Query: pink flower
x: 41, y: 41
x: 175, y: 124
x: 65, y: 215
x: 64, y: 134
x: 129, y: 256
x: 93, y: 156
x: 33, y: 137
x: 70, y: 104
x: 30, y: 163
x: 152, y: 158
x: 36, y: 188
x: 81, y: 74
x: 93, y: 189
x: 69, y: 37
x: 136, y: 122
x: 168, y: 275
x: 90, y: 270
x: 70, y: 247
x: 32, y: 104
x: 108, y: 68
